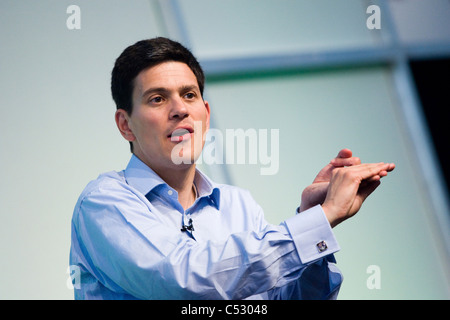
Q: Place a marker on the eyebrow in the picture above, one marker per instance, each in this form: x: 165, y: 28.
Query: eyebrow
x: 153, y: 90
x: 163, y: 90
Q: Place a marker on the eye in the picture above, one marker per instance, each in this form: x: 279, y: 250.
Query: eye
x: 156, y: 100
x: 190, y: 95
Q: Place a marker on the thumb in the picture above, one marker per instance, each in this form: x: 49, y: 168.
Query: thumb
x: 345, y: 153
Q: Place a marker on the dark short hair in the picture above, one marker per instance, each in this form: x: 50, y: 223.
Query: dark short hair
x: 142, y: 55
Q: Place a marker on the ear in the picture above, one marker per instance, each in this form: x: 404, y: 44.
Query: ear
x: 122, y: 122
x: 208, y: 114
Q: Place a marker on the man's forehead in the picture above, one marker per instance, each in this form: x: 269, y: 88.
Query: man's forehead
x: 170, y: 74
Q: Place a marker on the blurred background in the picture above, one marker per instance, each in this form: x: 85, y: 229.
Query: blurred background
x: 327, y: 74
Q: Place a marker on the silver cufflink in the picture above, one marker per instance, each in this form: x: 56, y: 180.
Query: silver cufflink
x: 322, y: 246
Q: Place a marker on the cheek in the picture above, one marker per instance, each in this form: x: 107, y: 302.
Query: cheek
x: 146, y: 128
x: 203, y: 116
x: 200, y: 128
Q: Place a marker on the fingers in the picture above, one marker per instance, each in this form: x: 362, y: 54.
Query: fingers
x: 352, y: 177
x: 372, y: 171
x: 386, y: 167
x: 345, y: 159
x: 391, y: 167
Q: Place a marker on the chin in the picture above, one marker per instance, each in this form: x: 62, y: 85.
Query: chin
x: 185, y: 154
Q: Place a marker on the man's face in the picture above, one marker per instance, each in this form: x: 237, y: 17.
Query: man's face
x: 169, y: 116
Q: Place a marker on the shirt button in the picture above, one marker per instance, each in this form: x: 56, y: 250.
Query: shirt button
x: 170, y: 192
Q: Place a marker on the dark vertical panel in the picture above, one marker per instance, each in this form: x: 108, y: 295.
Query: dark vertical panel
x: 432, y: 78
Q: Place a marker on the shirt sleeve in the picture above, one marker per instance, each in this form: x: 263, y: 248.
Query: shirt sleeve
x: 320, y: 280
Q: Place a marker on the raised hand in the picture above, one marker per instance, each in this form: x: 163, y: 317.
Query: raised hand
x: 349, y: 187
x: 315, y: 193
x: 342, y: 186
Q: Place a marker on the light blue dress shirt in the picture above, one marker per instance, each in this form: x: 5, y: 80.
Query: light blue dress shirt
x: 127, y: 243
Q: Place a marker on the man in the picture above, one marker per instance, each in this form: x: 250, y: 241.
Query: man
x: 161, y: 229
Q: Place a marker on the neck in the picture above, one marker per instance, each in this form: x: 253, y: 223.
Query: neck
x: 182, y: 180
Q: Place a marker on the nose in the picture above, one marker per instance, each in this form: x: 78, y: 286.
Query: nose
x: 178, y: 110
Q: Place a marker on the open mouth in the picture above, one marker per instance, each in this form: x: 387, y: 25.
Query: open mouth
x: 181, y: 134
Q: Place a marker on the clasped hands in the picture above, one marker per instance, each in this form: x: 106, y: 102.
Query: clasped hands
x: 342, y: 186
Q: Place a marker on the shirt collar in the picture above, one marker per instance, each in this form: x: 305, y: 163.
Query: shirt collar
x: 207, y: 188
x: 144, y: 179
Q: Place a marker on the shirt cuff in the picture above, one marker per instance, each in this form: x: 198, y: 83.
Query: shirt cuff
x: 312, y: 235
